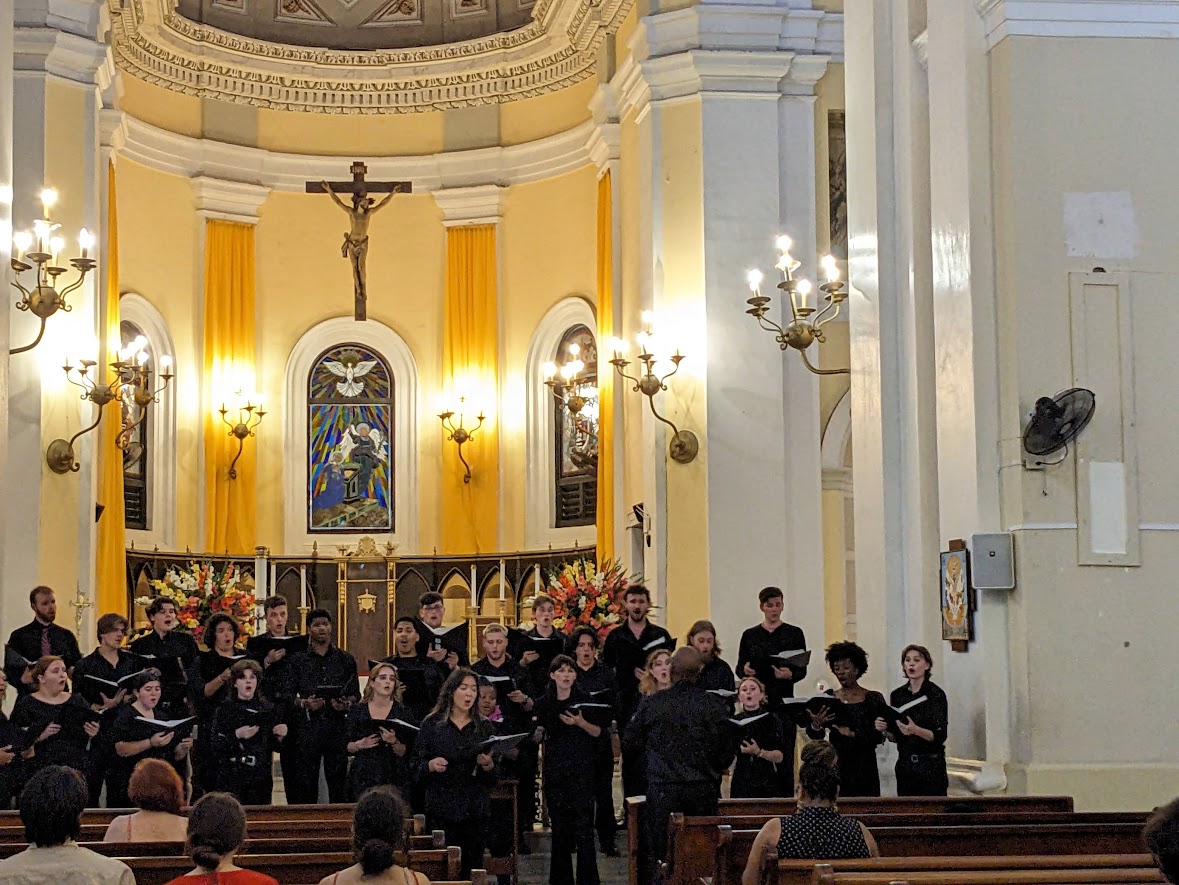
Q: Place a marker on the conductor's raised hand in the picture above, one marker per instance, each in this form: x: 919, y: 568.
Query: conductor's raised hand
x: 437, y: 765
x: 822, y: 718
x: 107, y: 703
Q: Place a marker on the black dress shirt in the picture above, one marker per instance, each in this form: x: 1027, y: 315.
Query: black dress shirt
x: 26, y: 641
x: 274, y: 676
x: 622, y: 653
x: 601, y: 687
x: 507, y: 677
x: 380, y: 764
x: 252, y: 753
x: 684, y: 736
x: 757, y: 644
x: 69, y: 746
x: 455, y: 640
x: 127, y: 727
x: 174, y: 653
x: 934, y: 714
x: 207, y: 667
x: 461, y: 792
x: 94, y: 664
x: 569, y: 751
x: 310, y: 670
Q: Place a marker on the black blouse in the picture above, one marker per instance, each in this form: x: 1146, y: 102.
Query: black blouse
x: 379, y: 764
x: 459, y: 793
x: 568, y: 750
x: 933, y: 714
x: 69, y: 746
x: 754, y: 777
x: 128, y: 727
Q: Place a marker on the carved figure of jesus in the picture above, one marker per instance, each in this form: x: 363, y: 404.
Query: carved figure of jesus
x: 355, y: 245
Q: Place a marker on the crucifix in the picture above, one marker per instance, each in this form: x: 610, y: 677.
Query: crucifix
x: 80, y: 604
x: 360, y: 213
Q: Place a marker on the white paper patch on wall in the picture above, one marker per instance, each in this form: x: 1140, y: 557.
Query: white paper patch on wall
x: 1107, y: 506
x: 1100, y: 225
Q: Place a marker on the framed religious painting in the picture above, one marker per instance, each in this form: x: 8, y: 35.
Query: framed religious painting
x: 955, y: 596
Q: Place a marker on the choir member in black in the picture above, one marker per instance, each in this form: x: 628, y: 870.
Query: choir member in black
x: 758, y: 643
x: 274, y: 654
x: 174, y: 652
x: 431, y: 610
x: 96, y: 678
x: 625, y: 652
x: 456, y: 774
x: 323, y: 683
x: 64, y: 723
x: 134, y: 739
x: 717, y: 675
x: 379, y: 756
x: 921, y: 736
x: 420, y: 677
x: 570, y: 742
x: 209, y: 681
x: 40, y: 638
x: 10, y: 755
x: 656, y: 677
x: 544, y: 610
x: 514, y: 689
x: 758, y: 744
x: 598, y: 681
x: 855, y: 743
x: 684, y: 739
x: 246, y: 730
x: 500, y: 838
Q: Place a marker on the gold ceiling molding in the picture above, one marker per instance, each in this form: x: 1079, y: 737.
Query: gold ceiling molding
x: 558, y: 48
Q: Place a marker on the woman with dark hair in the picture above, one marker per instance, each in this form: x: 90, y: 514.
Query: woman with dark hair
x: 378, y: 755
x: 209, y: 684
x: 157, y: 791
x: 378, y: 835
x: 135, y: 737
x: 598, y: 681
x: 64, y: 723
x: 454, y: 770
x: 816, y: 829
x: 246, y: 731
x: 921, y: 735
x: 851, y: 725
x: 758, y: 738
x: 216, y: 831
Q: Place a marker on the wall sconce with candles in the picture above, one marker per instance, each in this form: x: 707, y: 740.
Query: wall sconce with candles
x: 459, y: 434
x: 40, y: 251
x: 132, y: 381
x: 249, y: 417
x: 684, y: 445
x: 806, y: 326
x: 574, y: 387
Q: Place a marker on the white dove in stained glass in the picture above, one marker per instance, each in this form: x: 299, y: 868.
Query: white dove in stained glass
x: 351, y: 373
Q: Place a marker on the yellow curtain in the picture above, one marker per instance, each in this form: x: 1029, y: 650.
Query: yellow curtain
x: 605, y: 271
x: 111, y: 561
x: 470, y: 365
x: 229, y: 372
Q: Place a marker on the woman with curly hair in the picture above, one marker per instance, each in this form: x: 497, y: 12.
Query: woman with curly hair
x: 850, y: 722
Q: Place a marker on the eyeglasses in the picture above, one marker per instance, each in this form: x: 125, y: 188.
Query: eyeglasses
x: 437, y: 606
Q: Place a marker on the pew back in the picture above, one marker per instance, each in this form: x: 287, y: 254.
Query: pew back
x: 803, y: 872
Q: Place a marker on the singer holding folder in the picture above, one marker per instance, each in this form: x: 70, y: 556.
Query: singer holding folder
x: 101, y: 679
x: 136, y: 735
x: 246, y: 729
x: 379, y: 735
x: 455, y: 770
x: 64, y: 724
x: 920, y: 734
x: 849, y: 721
x: 209, y: 685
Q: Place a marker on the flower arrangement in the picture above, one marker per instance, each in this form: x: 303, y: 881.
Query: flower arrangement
x: 586, y: 593
x: 203, y: 589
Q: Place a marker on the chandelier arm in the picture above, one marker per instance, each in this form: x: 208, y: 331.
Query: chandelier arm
x: 467, y: 475
x: 806, y: 361
x: 663, y: 380
x: 634, y: 381
x: 36, y: 341
x: 651, y: 400
x: 85, y: 430
x: 233, y: 464
x: 70, y: 288
x: 124, y: 437
x: 770, y: 326
x: 829, y: 312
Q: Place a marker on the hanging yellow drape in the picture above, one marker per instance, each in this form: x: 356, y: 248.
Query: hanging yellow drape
x: 229, y: 372
x: 111, y: 559
x: 605, y: 272
x: 470, y: 365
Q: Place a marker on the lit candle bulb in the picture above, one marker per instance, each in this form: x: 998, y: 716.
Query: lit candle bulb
x: 85, y: 241
x: 754, y: 278
x: 56, y: 244
x: 23, y: 241
x: 141, y: 357
x: 574, y: 349
x: 41, y: 231
x: 617, y: 346
x: 830, y: 268
x: 804, y: 292
x: 646, y: 318
x: 783, y: 243
x: 165, y: 363
x: 48, y: 199
x: 550, y: 370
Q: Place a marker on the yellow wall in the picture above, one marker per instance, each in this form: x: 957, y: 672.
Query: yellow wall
x: 161, y: 107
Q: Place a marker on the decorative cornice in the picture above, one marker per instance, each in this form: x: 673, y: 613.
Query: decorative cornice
x: 471, y: 205
x: 62, y: 54
x: 192, y: 157
x: 1151, y: 19
x: 557, y: 49
x: 228, y: 200
x: 605, y: 141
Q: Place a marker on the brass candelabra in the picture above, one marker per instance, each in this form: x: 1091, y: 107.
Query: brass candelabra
x: 243, y: 427
x: 459, y: 434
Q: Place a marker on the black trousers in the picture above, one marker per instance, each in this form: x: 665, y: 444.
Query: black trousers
x: 696, y: 798
x: 470, y: 835
x: 604, y: 820
x: 571, y: 813
x: 526, y: 767
x: 922, y: 775
x: 320, y: 741
x: 786, y: 769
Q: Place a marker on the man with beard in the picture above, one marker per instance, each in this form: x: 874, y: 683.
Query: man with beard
x: 39, y: 638
x: 625, y: 652
x: 717, y: 676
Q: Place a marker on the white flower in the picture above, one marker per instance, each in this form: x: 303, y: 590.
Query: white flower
x: 612, y: 618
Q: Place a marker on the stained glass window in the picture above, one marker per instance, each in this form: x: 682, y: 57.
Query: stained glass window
x: 135, y: 454
x: 576, y: 448
x: 350, y: 442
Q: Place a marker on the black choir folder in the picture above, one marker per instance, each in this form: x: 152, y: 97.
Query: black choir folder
x: 547, y: 647
x: 13, y: 659
x: 893, y: 715
x: 453, y: 638
x: 291, y: 643
x: 501, y: 744
x: 182, y: 727
x: 406, y: 732
x: 795, y: 659
x: 116, y: 683
x: 799, y: 709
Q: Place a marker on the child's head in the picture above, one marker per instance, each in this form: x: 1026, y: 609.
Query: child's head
x: 751, y: 694
x: 488, y: 700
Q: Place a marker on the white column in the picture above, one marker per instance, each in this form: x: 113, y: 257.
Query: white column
x: 6, y: 182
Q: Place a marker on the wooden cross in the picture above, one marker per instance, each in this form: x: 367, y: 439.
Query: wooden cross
x: 360, y: 213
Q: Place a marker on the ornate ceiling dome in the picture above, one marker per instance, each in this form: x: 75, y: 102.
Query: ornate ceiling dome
x: 362, y: 56
x: 360, y: 24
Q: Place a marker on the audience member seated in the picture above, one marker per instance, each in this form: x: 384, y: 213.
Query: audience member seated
x: 51, y: 806
x: 216, y: 831
x: 1162, y: 840
x: 157, y: 791
x: 816, y: 830
x: 378, y: 831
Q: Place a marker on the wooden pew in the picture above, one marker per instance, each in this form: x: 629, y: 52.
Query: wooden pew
x: 807, y: 872
x: 1102, y: 876
x: 94, y: 832
x: 330, y: 842
x: 639, y: 867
